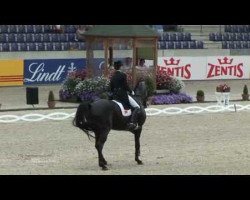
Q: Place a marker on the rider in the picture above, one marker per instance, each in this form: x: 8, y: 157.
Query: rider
x: 120, y: 89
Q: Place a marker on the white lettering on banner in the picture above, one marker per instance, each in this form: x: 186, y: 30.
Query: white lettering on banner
x: 225, y: 67
x: 71, y: 68
x: 38, y: 74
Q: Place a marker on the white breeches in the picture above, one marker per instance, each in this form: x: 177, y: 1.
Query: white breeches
x: 132, y: 102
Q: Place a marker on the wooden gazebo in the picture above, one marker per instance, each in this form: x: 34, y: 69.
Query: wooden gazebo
x: 134, y: 37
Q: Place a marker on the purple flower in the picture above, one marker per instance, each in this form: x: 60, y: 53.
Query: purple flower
x: 171, y: 99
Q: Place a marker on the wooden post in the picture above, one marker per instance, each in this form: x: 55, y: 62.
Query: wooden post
x: 155, y: 60
x: 106, y: 57
x: 89, y: 56
x: 134, y: 62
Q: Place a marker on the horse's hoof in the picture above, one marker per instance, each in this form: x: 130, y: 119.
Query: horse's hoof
x: 104, y: 168
x: 139, y: 162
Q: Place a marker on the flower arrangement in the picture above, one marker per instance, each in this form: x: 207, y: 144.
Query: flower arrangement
x: 77, y: 86
x: 171, y: 99
x: 222, y: 88
x: 164, y: 81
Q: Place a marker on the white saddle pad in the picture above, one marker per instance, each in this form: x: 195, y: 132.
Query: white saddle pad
x: 125, y: 113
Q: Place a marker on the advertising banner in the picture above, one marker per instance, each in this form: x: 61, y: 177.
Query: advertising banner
x: 184, y: 68
x: 11, y: 72
x: 206, y: 68
x: 227, y: 67
x: 50, y: 71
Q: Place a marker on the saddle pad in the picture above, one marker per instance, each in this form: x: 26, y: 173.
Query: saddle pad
x: 125, y: 113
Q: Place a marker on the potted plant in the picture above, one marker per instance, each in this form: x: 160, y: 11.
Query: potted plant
x: 51, y: 100
x: 245, y: 95
x: 200, y: 96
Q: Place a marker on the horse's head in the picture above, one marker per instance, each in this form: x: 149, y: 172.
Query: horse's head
x: 141, y: 93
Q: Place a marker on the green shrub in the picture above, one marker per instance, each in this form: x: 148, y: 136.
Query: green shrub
x: 51, y: 96
x: 245, y: 89
x: 200, y: 93
x: 150, y: 85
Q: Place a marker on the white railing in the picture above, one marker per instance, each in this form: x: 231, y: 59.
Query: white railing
x: 149, y: 111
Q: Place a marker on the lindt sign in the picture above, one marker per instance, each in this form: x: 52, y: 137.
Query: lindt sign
x: 51, y: 70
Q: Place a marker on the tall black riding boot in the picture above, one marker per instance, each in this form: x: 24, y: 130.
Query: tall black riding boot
x: 133, y: 121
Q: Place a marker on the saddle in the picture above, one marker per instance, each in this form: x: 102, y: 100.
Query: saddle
x: 125, y: 112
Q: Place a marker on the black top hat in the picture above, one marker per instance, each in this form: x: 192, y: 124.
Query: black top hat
x: 118, y: 63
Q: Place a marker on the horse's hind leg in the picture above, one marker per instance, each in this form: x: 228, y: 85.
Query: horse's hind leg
x: 101, y: 138
x: 137, y: 134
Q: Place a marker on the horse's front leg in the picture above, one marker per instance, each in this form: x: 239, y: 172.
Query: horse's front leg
x: 137, y: 134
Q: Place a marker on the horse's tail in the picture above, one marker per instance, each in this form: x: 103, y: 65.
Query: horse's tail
x: 80, y: 120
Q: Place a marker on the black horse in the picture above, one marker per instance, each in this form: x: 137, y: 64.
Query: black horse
x: 103, y: 115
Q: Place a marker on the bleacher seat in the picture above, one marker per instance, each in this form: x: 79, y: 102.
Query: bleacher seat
x: 21, y: 29
x: 218, y: 37
x: 13, y: 47
x: 185, y: 45
x: 46, y: 37
x: 244, y: 45
x: 38, y: 37
x: 30, y: 37
x: 22, y: 46
x: 3, y: 38
x: 162, y: 45
x: 224, y: 44
x: 170, y: 45
x: 63, y: 37
x: 239, y: 37
x: 173, y: 37
x: 12, y: 29
x: 200, y: 45
x: 54, y: 38
x: 48, y: 46
x: 69, y: 29
x: 57, y: 46
x: 245, y: 37
x: 38, y: 29
x: 73, y: 45
x: 47, y: 28
x: 12, y: 37
x: 5, y: 47
x: 21, y: 37
x: 180, y: 36
x: 65, y: 46
x: 231, y: 45
x: 192, y: 45
x: 31, y: 46
x: 225, y: 36
x: 81, y: 46
x: 177, y: 45
x: 212, y: 36
x: 71, y: 37
x: 187, y: 36
x: 39, y: 46
x: 29, y: 29
x: 238, y: 45
x: 4, y: 28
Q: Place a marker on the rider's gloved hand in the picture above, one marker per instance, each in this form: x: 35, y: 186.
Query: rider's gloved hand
x: 133, y: 93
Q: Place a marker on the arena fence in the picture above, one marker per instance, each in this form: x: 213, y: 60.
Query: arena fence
x: 149, y: 111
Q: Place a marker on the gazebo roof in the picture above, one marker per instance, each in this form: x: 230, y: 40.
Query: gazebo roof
x: 121, y: 31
